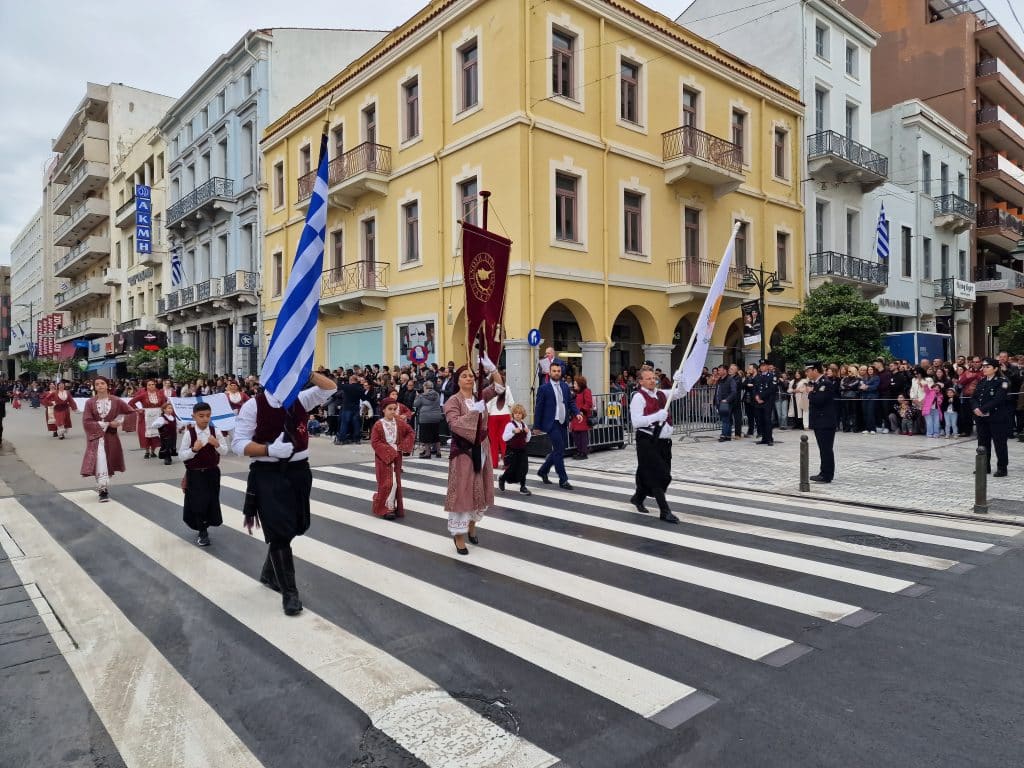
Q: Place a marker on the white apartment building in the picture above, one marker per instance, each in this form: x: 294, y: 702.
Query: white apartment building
x: 28, y: 286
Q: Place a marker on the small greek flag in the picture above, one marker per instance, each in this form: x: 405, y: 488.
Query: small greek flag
x: 882, y: 237
x: 289, y: 358
x: 177, y: 271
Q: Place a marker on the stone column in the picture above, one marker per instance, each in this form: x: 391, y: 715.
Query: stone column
x: 716, y: 356
x: 595, y: 365
x: 204, y: 350
x: 979, y: 341
x: 660, y: 355
x: 520, y: 363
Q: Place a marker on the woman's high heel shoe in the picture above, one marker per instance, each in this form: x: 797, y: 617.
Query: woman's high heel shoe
x: 460, y: 550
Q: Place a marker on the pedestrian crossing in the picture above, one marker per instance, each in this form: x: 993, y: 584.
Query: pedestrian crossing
x: 584, y: 616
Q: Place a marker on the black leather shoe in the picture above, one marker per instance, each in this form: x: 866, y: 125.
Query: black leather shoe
x: 104, y: 495
x: 639, y: 504
x: 544, y: 477
x: 820, y: 479
x: 668, y: 517
x: 460, y: 550
x: 524, y: 490
x: 999, y: 473
x: 284, y: 570
x: 390, y: 516
x: 501, y: 483
x: 203, y: 539
x: 762, y: 442
x: 565, y: 485
x: 267, y: 577
x: 472, y: 539
x: 815, y: 478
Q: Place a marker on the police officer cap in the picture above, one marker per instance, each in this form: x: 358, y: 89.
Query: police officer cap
x: 990, y: 361
x: 815, y: 364
x: 764, y: 362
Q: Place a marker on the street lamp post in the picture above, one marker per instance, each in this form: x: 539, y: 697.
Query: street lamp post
x: 762, y: 280
x: 951, y: 306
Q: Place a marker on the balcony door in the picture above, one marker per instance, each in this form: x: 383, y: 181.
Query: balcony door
x: 370, y: 132
x: 370, y: 254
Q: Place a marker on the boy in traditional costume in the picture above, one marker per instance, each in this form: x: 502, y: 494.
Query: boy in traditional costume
x: 201, y: 450
x: 517, y: 463
x: 390, y: 438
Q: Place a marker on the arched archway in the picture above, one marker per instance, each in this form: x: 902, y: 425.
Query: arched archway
x: 735, y: 351
x: 628, y: 339
x: 681, y: 337
x: 775, y: 339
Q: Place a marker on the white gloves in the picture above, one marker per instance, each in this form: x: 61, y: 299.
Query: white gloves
x: 279, y: 449
x: 489, y: 367
x: 661, y: 415
x: 679, y: 378
x: 478, y: 406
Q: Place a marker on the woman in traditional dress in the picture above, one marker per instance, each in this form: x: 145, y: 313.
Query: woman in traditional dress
x: 101, y: 417
x: 470, y: 475
x: 151, y: 400
x: 59, y: 405
x: 236, y: 399
x: 390, y: 438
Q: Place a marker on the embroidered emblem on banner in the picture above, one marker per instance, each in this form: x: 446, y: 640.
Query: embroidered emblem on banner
x: 483, y: 276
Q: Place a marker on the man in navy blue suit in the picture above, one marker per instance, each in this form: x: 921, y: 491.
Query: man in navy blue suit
x: 555, y: 405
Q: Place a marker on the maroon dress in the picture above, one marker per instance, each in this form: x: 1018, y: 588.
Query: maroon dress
x: 94, y: 433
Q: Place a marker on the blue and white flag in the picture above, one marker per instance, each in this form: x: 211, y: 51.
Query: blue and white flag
x: 289, y: 360
x: 177, y: 271
x: 882, y: 237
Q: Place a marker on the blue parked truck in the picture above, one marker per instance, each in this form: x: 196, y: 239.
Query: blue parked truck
x: 916, y: 345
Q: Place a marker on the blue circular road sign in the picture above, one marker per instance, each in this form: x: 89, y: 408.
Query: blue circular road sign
x: 533, y: 337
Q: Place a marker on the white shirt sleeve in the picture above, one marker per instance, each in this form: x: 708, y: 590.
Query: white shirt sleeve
x: 222, y: 443
x: 185, y: 451
x: 158, y: 422
x: 510, y: 430
x: 245, y: 427
x: 311, y: 397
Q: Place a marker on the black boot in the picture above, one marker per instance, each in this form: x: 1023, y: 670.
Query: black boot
x: 284, y: 568
x: 267, y: 576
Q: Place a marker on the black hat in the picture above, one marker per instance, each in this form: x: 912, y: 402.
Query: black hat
x: 990, y: 361
x: 815, y: 364
x: 763, y: 362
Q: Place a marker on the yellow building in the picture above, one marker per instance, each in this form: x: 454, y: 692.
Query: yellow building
x: 619, y: 149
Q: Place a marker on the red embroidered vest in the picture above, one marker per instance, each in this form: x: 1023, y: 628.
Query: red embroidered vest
x: 270, y: 422
x: 654, y: 404
x: 207, y: 457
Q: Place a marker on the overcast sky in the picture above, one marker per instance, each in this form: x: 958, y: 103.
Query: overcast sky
x: 49, y: 49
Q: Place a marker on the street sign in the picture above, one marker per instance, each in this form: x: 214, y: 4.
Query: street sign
x: 418, y: 354
x: 246, y: 340
x: 533, y: 337
x: 143, y: 219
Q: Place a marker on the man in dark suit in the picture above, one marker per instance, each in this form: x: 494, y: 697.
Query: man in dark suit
x: 766, y: 390
x: 823, y: 417
x: 555, y: 405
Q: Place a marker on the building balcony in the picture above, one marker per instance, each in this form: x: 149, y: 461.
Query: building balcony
x: 91, y: 144
x: 1006, y: 284
x: 92, y: 328
x: 690, y: 280
x: 362, y: 170
x: 1002, y: 130
x: 953, y: 213
x: 82, y: 256
x: 111, y: 276
x: 694, y: 155
x: 80, y: 294
x: 999, y: 228
x: 955, y: 288
x: 871, y: 277
x: 85, y: 181
x: 996, y: 40
x: 81, y: 221
x: 354, y: 286
x: 233, y: 290
x: 1000, y: 84
x: 124, y: 217
x: 203, y: 202
x: 1002, y: 177
x: 836, y: 158
x: 128, y: 325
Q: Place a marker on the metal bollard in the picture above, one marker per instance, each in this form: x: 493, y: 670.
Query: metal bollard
x: 805, y: 465
x: 980, y: 482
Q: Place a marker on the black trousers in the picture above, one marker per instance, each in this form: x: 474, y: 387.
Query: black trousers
x: 282, y: 490
x: 764, y: 421
x: 826, y: 439
x: 752, y: 417
x: 517, y: 464
x: 966, y: 421
x: 202, y: 499
x: 992, y: 434
x: 653, y: 468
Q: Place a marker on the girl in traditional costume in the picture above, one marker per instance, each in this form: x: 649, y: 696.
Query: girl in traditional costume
x: 151, y: 400
x: 470, y: 474
x: 168, y: 425
x: 390, y: 438
x: 59, y: 405
x: 101, y: 417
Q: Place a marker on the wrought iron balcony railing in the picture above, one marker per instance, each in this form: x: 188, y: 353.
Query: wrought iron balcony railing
x: 214, y: 188
x: 832, y: 263
x: 700, y: 272
x: 955, y: 205
x: 357, y: 276
x: 833, y: 143
x: 690, y: 141
x: 365, y: 158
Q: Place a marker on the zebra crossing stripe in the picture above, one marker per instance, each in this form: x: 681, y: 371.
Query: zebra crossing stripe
x: 658, y: 533
x: 728, y: 636
x: 760, y: 531
x: 126, y: 679
x: 349, y: 665
x: 750, y: 589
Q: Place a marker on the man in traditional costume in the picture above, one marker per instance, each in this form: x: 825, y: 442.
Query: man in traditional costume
x: 59, y: 405
x: 470, y: 475
x: 648, y: 411
x: 280, y: 480
x: 101, y: 417
x: 390, y: 438
x: 151, y: 402
x: 201, y: 449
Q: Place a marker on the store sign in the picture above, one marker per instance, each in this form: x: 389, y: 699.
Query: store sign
x: 885, y: 301
x: 963, y: 290
x: 141, y: 276
x: 143, y: 219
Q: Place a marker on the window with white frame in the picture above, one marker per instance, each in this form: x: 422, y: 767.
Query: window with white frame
x: 563, y: 45
x: 369, y: 240
x: 926, y: 257
x: 782, y: 255
x: 741, y: 244
x: 739, y: 131
x: 820, y: 109
x: 469, y: 76
x: 276, y: 273
x: 305, y: 161
x: 247, y: 149
x: 851, y: 59
x: 338, y: 140
x: 691, y: 103
x: 629, y: 91
x: 411, y: 232
x: 566, y: 191
x: 278, y: 184
x: 411, y: 108
x: 907, y: 244
x: 851, y: 121
x: 468, y: 192
x: 944, y: 262
x: 632, y: 222
x: 337, y: 249
x: 963, y: 264
x: 926, y: 173
x: 852, y: 232
x: 780, y: 153
x: 820, y: 224
x: 821, y: 35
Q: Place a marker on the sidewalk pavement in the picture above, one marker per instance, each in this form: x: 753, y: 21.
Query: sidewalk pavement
x: 911, y: 474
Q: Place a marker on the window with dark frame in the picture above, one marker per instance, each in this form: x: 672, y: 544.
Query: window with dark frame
x: 629, y: 107
x: 305, y: 163
x: 411, y: 91
x: 691, y: 100
x: 468, y: 200
x: 632, y: 204
x: 740, y: 246
x: 739, y: 127
x: 926, y: 257
x: 565, y: 207
x: 338, y: 138
x: 278, y: 184
x: 411, y: 222
x: 907, y: 240
x: 469, y: 85
x: 691, y: 234
x: 562, y: 51
x: 369, y: 240
x: 277, y: 278
x: 337, y: 249
x: 782, y: 255
x: 780, y: 153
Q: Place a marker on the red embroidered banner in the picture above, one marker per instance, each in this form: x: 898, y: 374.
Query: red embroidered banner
x: 485, y: 257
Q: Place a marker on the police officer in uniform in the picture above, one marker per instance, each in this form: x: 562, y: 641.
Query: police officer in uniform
x: 823, y: 416
x: 992, y: 414
x: 766, y: 389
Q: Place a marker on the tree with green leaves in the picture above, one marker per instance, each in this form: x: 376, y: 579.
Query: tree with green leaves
x: 40, y: 366
x: 145, y: 363
x: 837, y: 324
x: 1011, y: 334
x: 182, y: 361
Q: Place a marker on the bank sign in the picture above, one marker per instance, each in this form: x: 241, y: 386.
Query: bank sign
x: 143, y: 219
x: 963, y: 290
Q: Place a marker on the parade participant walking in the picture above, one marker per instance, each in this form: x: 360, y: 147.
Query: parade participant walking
x: 101, y: 417
x: 236, y: 397
x: 390, y: 438
x: 470, y: 475
x: 992, y: 414
x: 824, y: 416
x: 150, y: 401
x: 517, y: 463
x: 499, y: 413
x: 201, y: 449
x: 280, y: 480
x: 555, y: 405
x: 766, y: 389
x: 428, y: 420
x: 167, y: 426
x: 648, y: 411
x: 59, y: 405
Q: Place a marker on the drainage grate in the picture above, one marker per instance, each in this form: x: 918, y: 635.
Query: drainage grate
x: 873, y: 540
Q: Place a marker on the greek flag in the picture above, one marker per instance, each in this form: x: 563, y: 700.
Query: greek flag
x: 882, y: 237
x: 289, y: 358
x: 177, y: 271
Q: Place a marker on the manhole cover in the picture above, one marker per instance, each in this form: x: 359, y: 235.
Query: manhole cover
x: 429, y: 717
x: 921, y: 457
x: 873, y: 540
